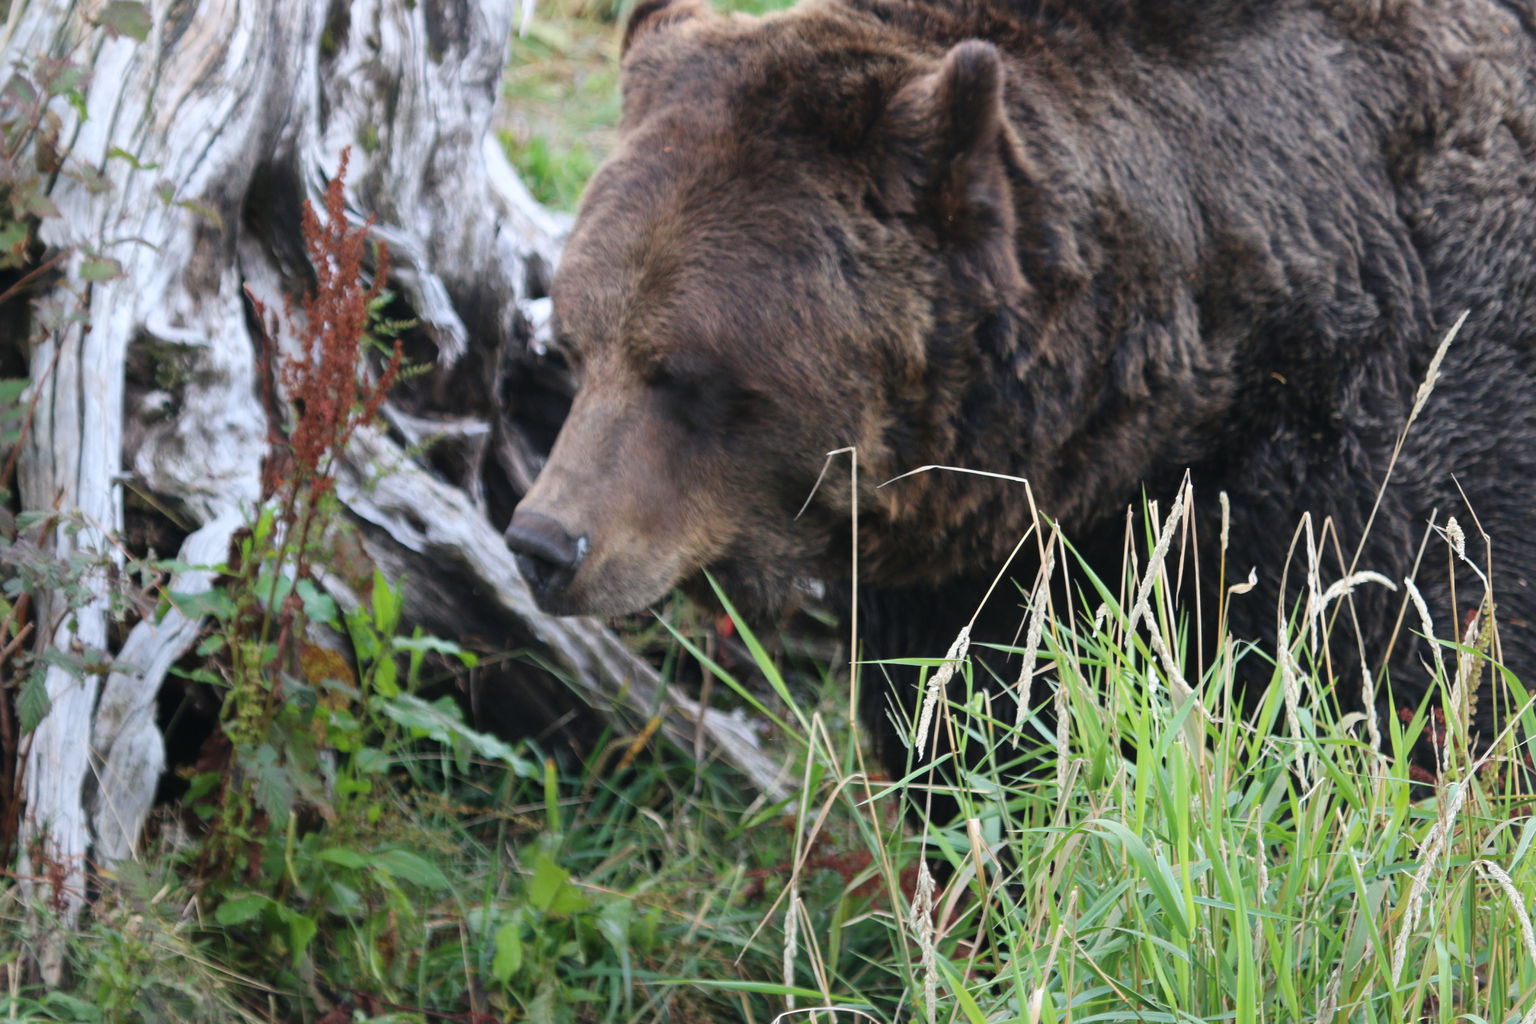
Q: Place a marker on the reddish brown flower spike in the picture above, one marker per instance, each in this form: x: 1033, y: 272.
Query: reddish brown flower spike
x: 328, y: 391
x: 329, y: 397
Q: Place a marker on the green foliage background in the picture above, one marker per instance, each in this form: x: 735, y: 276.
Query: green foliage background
x: 561, y: 93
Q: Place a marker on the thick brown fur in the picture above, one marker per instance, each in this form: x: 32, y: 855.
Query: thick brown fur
x: 1096, y: 245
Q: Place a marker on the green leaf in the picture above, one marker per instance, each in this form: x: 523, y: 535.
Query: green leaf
x: 1155, y: 873
x: 13, y: 244
x: 301, y: 930
x: 33, y: 703
x: 550, y: 888
x: 411, y: 867
x: 760, y: 656
x: 100, y: 268
x: 318, y: 605
x: 204, y: 211
x: 242, y: 908
x: 261, y: 533
x: 436, y: 645
x: 370, y: 761
x: 442, y: 721
x: 273, y: 589
x: 133, y: 161
x: 342, y: 898
x: 271, y: 785
x: 196, y: 604
x: 385, y: 675
x: 19, y: 90
x: 176, y: 565
x: 66, y: 79
x: 509, y: 951
x: 963, y: 998
x: 94, y: 181
x: 613, y: 923
x: 126, y: 18
x: 347, y: 858
x: 386, y: 605
x: 37, y: 204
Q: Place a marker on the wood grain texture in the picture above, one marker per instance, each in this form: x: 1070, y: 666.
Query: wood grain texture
x: 235, y: 111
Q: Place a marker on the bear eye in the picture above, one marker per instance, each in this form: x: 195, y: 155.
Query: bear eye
x: 705, y: 399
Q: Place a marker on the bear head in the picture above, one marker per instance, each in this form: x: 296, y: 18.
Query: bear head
x: 798, y: 212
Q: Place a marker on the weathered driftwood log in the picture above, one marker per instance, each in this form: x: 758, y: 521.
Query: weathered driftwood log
x: 233, y: 113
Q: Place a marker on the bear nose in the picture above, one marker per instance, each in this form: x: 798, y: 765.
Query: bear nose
x: 547, y: 556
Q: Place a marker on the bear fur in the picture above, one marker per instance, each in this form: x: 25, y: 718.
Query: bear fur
x: 1097, y: 245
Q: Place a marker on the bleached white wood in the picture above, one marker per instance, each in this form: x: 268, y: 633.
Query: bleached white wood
x: 127, y: 745
x: 235, y: 110
x: 197, y: 102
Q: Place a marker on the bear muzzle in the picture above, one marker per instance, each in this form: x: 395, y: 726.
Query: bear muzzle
x: 547, y: 555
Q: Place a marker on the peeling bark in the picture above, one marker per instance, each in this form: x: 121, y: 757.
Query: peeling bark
x: 242, y: 110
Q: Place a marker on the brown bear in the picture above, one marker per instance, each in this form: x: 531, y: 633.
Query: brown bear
x: 1094, y: 245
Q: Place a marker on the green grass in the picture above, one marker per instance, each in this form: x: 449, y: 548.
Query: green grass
x: 560, y: 94
x: 1167, y: 860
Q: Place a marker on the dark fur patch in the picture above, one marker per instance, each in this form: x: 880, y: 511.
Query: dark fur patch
x: 1098, y: 244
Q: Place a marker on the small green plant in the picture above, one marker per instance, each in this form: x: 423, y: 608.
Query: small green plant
x: 295, y: 794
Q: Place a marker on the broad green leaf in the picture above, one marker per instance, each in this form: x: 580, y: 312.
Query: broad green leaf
x: 301, y: 929
x: 550, y: 888
x: 66, y: 79
x: 319, y: 607
x: 100, y: 268
x: 386, y: 674
x: 442, y: 721
x: 19, y: 90
x: 38, y: 204
x: 347, y: 858
x: 386, y: 605
x: 436, y: 645
x: 411, y: 867
x: 13, y: 244
x: 198, y: 603
x: 242, y: 908
x: 509, y: 951
x: 613, y: 922
x: 271, y: 784
x: 33, y: 703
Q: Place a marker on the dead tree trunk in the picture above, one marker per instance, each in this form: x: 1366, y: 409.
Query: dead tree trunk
x: 196, y: 148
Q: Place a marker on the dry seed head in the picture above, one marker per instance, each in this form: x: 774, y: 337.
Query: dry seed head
x: 1247, y: 585
x: 923, y: 931
x: 939, y: 681
x: 1032, y: 637
x: 1348, y: 584
x: 791, y: 941
x: 1517, y: 903
x: 1457, y: 537
x: 1429, y: 857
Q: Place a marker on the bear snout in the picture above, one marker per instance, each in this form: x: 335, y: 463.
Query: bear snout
x: 547, y: 555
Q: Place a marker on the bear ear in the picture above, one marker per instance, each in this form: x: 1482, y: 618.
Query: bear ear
x: 657, y: 15
x: 967, y: 101
x: 954, y: 149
